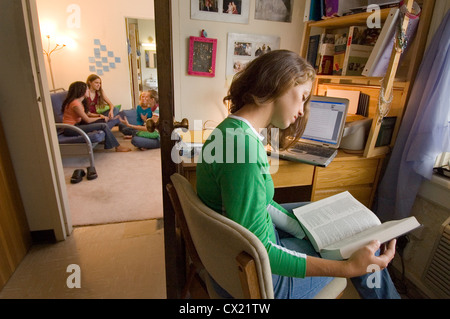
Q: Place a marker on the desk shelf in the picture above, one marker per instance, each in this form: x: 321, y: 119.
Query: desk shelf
x: 404, y: 75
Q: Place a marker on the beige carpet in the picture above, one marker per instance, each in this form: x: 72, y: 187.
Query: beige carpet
x: 128, y: 187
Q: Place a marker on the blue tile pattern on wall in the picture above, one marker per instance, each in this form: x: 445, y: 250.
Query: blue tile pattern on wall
x: 103, y: 60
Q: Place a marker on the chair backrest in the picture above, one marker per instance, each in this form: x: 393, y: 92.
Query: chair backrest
x: 57, y: 101
x: 219, y: 241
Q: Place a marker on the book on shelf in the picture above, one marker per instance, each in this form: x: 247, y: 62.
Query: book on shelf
x: 326, y: 54
x: 386, y: 131
x: 360, y: 43
x: 315, y: 10
x: 313, y: 49
x: 340, y: 45
x: 363, y: 105
x: 339, y: 225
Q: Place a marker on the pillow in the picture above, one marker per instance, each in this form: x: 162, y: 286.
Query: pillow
x: 146, y: 134
x: 103, y: 108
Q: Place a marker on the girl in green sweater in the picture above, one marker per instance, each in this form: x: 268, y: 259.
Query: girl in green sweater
x: 233, y: 179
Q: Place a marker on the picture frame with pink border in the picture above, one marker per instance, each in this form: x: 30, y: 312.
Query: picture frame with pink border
x: 202, y: 56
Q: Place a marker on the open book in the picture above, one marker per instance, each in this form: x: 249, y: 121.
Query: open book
x: 339, y: 225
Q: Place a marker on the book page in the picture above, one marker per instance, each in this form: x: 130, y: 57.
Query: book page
x: 335, y: 218
x: 383, y: 233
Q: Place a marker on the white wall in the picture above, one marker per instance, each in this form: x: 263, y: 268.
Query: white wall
x: 196, y: 98
x: 103, y: 20
x: 200, y: 98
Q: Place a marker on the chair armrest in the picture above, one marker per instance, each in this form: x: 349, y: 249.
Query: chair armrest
x: 76, y: 129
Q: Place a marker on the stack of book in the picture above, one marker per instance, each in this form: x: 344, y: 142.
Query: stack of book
x: 343, y: 52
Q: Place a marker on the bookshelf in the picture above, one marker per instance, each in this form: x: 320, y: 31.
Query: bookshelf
x: 399, y: 77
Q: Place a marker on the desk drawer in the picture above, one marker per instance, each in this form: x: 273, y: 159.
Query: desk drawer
x: 347, y: 173
x: 292, y: 174
x: 363, y: 193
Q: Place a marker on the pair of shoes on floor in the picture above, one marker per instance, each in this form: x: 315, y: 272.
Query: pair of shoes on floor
x: 78, y: 175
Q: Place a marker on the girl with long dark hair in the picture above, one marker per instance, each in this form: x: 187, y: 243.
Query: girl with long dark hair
x: 75, y: 114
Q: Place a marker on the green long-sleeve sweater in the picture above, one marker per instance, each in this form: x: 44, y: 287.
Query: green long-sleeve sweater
x: 233, y: 179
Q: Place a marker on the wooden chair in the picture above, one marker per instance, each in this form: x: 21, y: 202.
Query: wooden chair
x: 228, y: 252
x: 195, y: 266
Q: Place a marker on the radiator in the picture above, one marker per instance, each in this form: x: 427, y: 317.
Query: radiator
x: 437, y: 273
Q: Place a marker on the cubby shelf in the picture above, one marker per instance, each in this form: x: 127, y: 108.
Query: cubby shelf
x: 403, y: 81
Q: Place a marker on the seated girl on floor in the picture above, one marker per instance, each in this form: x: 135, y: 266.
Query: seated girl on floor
x: 147, y: 108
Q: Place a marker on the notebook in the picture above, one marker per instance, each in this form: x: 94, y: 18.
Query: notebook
x: 323, y: 133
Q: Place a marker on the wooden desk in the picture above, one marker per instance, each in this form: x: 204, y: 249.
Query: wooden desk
x: 303, y: 182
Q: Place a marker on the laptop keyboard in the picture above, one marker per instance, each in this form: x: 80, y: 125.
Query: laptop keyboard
x: 313, y: 150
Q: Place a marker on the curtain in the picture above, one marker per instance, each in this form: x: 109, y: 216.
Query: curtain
x: 424, y: 132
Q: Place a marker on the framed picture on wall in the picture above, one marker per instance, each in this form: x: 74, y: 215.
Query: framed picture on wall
x: 243, y: 48
x: 202, y: 56
x: 274, y: 10
x: 234, y: 11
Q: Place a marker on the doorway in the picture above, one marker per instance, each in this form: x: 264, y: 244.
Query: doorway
x: 141, y: 56
x: 101, y: 201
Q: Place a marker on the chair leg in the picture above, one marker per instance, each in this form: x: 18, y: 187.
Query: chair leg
x: 189, y: 279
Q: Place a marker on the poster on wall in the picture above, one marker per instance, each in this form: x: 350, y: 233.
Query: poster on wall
x: 234, y: 11
x: 103, y: 60
x: 274, y: 10
x: 243, y: 48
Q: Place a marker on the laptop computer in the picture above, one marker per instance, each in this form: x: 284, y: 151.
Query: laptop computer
x: 323, y: 133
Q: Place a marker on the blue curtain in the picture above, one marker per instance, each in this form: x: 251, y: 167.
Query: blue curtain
x: 424, y: 132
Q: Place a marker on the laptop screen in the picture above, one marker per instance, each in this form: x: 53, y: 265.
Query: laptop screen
x: 326, y: 120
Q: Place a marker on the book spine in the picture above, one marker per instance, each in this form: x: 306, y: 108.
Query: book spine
x: 326, y: 54
x: 313, y: 49
x: 347, y: 50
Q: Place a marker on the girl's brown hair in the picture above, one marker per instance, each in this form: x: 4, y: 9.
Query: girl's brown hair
x: 91, y: 78
x: 267, y: 78
x: 76, y: 90
x: 154, y: 95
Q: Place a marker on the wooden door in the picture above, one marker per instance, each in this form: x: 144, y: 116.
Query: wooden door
x: 15, y: 239
x: 163, y: 25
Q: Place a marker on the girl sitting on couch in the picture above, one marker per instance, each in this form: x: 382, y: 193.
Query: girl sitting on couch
x: 74, y: 114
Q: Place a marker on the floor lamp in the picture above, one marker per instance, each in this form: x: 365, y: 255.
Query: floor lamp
x: 48, y: 53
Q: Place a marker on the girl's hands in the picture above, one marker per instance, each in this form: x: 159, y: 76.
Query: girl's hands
x: 124, y: 121
x: 358, y: 264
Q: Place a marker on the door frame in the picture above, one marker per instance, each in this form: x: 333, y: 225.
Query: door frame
x: 163, y: 28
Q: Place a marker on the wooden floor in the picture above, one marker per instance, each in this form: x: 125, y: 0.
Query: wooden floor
x: 124, y: 260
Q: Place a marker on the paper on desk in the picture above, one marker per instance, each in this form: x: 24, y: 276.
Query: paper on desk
x: 352, y: 96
